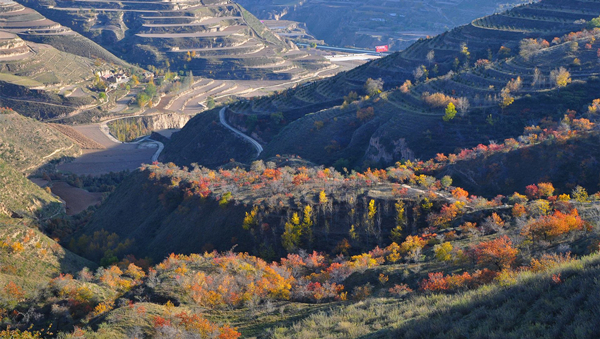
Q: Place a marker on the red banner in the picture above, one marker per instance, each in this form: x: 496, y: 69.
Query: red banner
x: 380, y: 49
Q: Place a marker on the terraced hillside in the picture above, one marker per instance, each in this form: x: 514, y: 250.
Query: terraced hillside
x: 46, y: 70
x: 406, y: 123
x: 218, y: 39
x: 373, y: 22
x: 32, y: 78
x: 16, y: 18
x: 32, y: 26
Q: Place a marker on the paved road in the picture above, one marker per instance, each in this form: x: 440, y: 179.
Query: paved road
x: 259, y: 148
x: 349, y: 50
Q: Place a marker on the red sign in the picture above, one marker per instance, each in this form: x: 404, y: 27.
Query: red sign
x: 380, y: 49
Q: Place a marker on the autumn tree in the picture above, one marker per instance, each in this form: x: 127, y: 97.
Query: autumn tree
x: 515, y: 85
x: 445, y: 217
x: 561, y: 77
x: 460, y: 194
x: 545, y: 189
x: 406, y: 86
x: 507, y: 98
x: 443, y: 252
x: 498, y: 252
x: 322, y: 198
x: 365, y: 114
x: 552, y: 226
x: 307, y: 223
x: 538, y: 78
x: 420, y: 72
x: 413, y: 246
x: 580, y: 194
x: 396, y: 233
x: 463, y: 105
x: 529, y: 47
x: 430, y: 57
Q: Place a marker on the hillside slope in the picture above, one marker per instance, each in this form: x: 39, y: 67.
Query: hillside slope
x: 30, y: 259
x: 150, y: 221
x: 20, y: 197
x: 532, y: 306
x: 28, y: 144
x: 565, y: 163
x: 399, y: 122
x: 46, y: 69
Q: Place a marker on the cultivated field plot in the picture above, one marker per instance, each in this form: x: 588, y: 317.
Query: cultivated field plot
x: 80, y: 139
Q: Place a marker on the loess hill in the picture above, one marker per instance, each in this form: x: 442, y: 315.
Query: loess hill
x: 370, y: 23
x: 217, y: 39
x: 473, y: 64
x: 485, y: 239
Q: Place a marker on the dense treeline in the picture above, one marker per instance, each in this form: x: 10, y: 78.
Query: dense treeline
x: 127, y: 130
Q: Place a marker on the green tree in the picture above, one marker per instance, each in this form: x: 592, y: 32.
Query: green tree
x: 446, y: 181
x: 210, y: 102
x: 450, y: 112
x: 443, y: 252
x: 290, y: 238
x: 594, y: 23
x: 142, y: 99
x: 580, y: 194
x: 150, y: 90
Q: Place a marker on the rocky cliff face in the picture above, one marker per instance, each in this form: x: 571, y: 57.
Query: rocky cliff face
x: 166, y: 121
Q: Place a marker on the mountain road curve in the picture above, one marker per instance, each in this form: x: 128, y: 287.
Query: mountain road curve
x: 259, y: 148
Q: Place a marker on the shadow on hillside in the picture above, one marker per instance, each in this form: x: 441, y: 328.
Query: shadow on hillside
x: 537, y: 308
x: 115, y: 159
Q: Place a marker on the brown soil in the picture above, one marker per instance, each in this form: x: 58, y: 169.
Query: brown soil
x: 77, y: 199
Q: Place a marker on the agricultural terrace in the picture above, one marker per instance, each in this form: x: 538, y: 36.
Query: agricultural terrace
x: 216, y: 39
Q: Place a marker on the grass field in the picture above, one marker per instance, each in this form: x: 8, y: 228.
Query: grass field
x: 20, y: 81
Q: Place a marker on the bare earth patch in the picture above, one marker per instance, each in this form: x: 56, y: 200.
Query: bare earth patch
x: 77, y: 199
